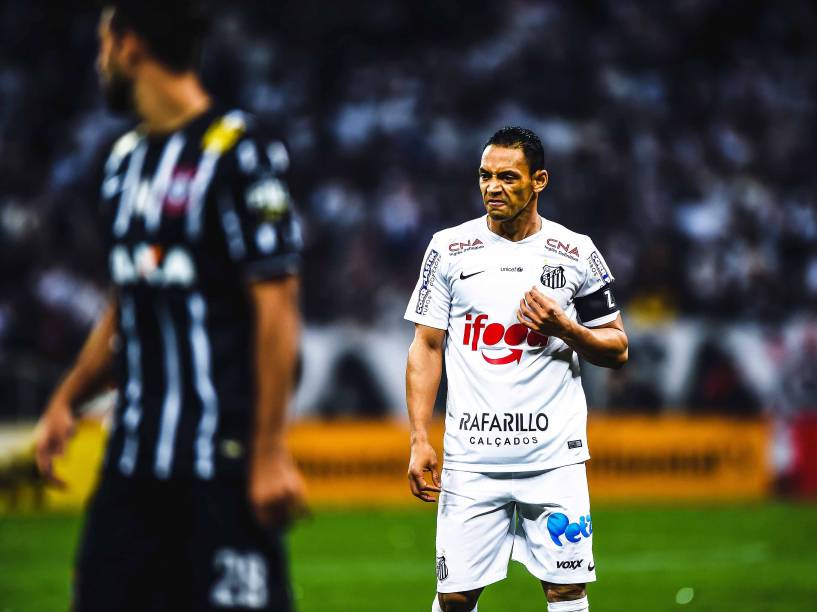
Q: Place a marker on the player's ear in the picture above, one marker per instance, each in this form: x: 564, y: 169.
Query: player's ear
x: 131, y: 50
x: 539, y: 180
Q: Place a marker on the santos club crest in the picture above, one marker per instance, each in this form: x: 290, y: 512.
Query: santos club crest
x: 442, y: 569
x: 553, y: 277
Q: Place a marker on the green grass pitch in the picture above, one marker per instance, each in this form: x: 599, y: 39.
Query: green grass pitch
x: 750, y: 558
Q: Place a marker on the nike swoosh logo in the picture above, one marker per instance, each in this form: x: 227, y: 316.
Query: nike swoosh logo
x: 591, y: 567
x: 464, y: 276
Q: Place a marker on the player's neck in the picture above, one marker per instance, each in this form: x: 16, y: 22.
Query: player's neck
x: 166, y: 101
x: 525, y: 224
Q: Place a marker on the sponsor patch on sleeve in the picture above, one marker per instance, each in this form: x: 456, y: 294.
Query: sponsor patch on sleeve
x: 429, y: 276
x: 574, y: 444
x: 598, y: 268
x: 268, y: 197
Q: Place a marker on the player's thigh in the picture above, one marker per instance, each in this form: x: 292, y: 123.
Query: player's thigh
x: 555, y: 527
x: 124, y: 561
x: 474, y: 530
x: 236, y: 564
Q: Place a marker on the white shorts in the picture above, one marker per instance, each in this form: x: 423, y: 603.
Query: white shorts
x: 541, y: 519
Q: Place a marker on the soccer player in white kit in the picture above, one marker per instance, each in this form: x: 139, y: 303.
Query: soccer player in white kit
x: 512, y: 300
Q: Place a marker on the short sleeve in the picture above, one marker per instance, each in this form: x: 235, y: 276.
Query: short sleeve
x: 431, y: 301
x: 595, y: 303
x: 256, y: 214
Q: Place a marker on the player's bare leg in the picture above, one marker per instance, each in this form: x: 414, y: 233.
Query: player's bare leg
x: 566, y: 597
x: 457, y: 602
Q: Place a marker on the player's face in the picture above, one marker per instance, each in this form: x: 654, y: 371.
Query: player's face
x: 116, y: 85
x: 506, y: 183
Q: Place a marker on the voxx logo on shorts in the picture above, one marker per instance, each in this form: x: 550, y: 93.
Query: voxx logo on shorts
x: 571, y: 565
x: 559, y: 526
x: 480, y: 328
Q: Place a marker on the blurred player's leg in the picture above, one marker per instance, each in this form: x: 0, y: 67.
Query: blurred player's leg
x: 236, y: 564
x: 127, y: 561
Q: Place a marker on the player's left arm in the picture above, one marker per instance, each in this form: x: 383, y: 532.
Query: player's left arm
x: 605, y: 345
x: 276, y: 487
x: 261, y: 235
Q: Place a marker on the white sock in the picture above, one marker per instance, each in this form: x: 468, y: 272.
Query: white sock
x: 574, y: 605
x: 435, y: 607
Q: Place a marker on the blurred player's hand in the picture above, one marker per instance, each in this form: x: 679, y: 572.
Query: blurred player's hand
x: 276, y: 488
x: 423, y: 459
x: 542, y: 314
x: 51, y: 436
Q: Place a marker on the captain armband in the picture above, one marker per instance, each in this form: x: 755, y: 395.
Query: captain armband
x: 598, y: 308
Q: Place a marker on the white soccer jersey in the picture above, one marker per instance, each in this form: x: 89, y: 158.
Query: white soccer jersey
x: 515, y: 399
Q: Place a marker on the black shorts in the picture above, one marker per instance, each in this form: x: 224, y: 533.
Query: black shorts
x: 153, y: 546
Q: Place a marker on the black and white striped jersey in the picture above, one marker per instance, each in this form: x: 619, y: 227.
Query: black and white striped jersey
x: 192, y: 217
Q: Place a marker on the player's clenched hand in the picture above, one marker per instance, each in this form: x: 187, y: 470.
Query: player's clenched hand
x: 542, y: 314
x: 276, y: 488
x: 51, y: 436
x: 423, y: 459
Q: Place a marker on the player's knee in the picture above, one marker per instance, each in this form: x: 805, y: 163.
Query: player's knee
x: 564, y: 592
x: 458, y: 602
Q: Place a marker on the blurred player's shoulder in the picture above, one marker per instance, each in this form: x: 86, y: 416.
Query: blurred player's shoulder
x: 241, y: 133
x: 121, y: 148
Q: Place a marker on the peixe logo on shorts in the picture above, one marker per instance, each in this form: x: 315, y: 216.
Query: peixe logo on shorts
x: 559, y: 525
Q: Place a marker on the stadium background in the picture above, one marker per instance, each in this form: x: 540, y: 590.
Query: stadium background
x: 680, y: 135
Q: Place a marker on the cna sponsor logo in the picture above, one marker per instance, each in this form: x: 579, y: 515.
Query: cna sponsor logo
x: 479, y: 330
x: 562, y: 248
x: 152, y: 264
x: 428, y: 278
x: 558, y: 526
x: 455, y: 248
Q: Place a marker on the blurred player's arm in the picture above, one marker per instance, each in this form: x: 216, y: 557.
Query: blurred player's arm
x: 276, y: 487
x: 91, y: 372
x: 604, y: 345
x: 423, y: 371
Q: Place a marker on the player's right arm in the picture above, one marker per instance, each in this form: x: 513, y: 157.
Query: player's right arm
x: 428, y: 309
x: 423, y: 371
x: 89, y: 374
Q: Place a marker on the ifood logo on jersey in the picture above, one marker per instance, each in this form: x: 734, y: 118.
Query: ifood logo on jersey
x: 480, y: 328
x: 559, y: 525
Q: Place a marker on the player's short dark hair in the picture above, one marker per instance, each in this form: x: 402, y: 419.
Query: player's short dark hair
x: 514, y: 137
x: 173, y: 30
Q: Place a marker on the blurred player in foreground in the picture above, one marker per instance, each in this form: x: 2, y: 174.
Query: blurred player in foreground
x: 200, y: 337
x: 512, y: 299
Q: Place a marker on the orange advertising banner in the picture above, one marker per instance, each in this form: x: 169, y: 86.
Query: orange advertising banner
x: 348, y: 463
x: 673, y: 458
x: 633, y: 458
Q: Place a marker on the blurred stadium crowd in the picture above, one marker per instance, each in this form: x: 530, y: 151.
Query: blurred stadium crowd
x: 679, y: 135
